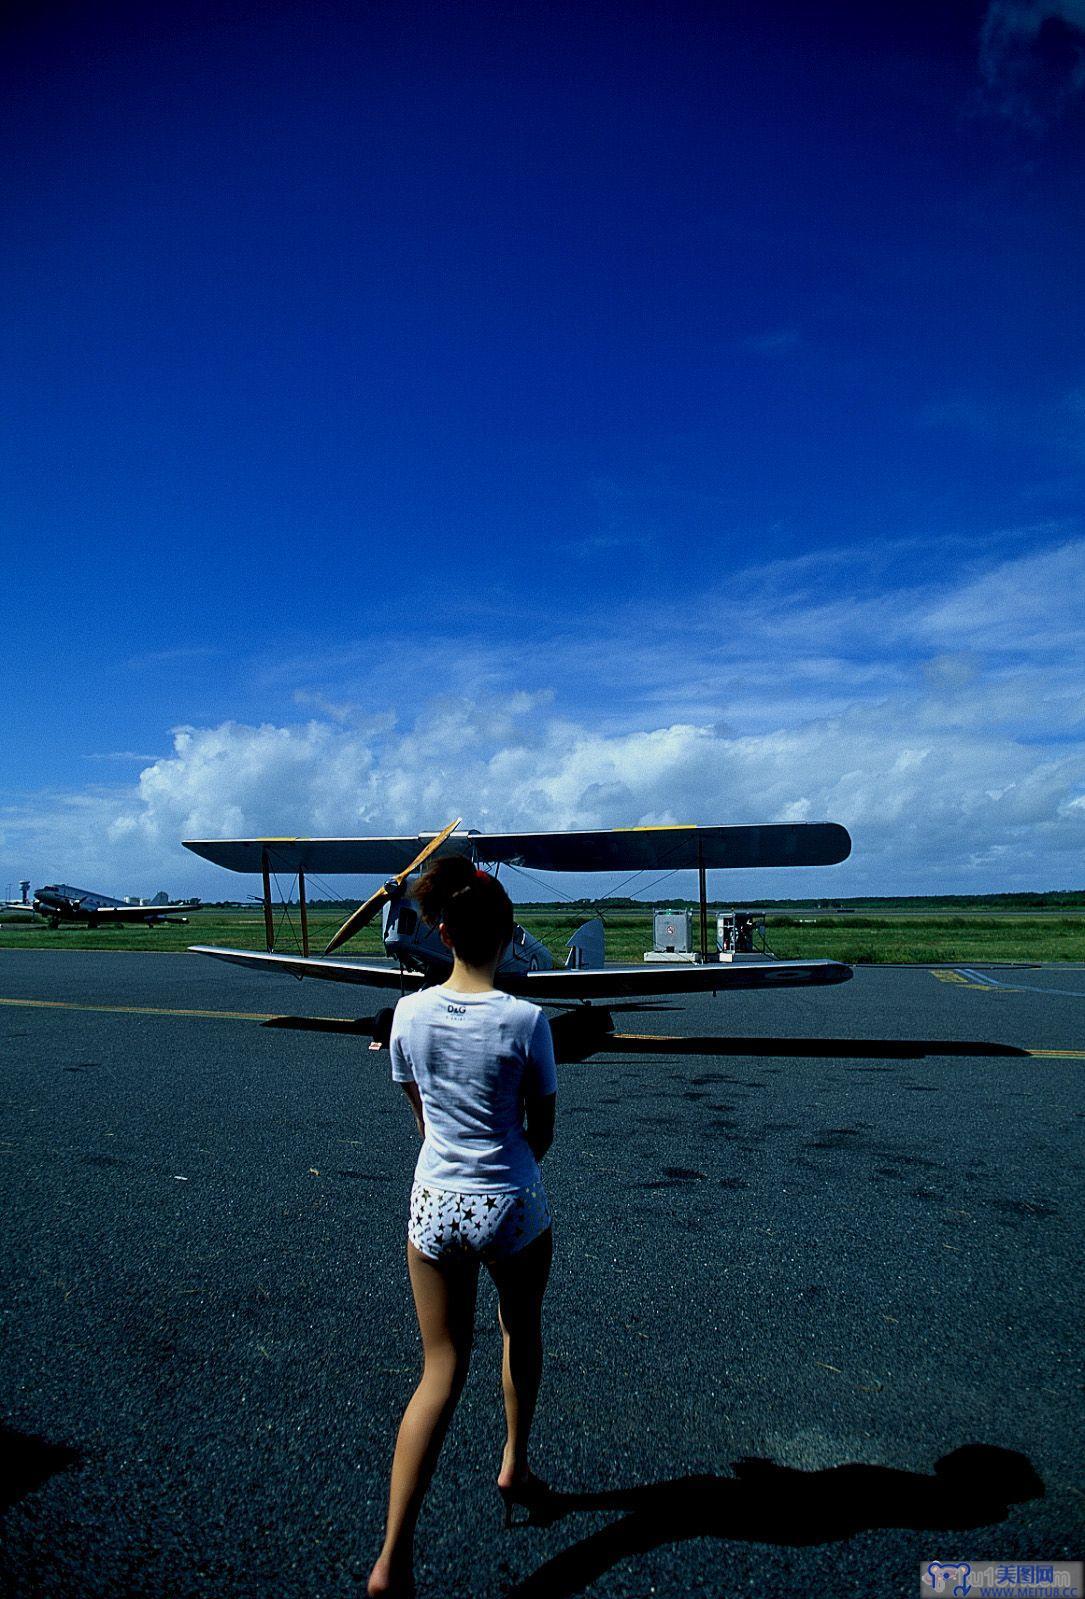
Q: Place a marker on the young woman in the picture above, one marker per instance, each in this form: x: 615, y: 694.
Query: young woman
x: 478, y: 1068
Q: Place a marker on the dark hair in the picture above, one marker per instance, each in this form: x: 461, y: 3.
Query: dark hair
x: 475, y: 910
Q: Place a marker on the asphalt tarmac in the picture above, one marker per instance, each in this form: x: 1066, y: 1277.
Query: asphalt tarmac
x: 831, y: 1235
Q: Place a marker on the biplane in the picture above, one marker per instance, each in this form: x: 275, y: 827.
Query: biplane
x: 419, y: 958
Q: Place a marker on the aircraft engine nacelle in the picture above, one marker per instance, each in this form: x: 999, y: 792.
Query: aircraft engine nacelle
x: 410, y: 940
x: 56, y: 905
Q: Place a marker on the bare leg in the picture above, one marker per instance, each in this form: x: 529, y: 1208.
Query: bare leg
x: 445, y: 1301
x: 521, y: 1283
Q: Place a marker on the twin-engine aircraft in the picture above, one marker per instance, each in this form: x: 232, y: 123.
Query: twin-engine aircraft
x: 60, y: 902
x: 420, y: 958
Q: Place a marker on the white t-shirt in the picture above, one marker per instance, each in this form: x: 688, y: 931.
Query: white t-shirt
x: 475, y: 1057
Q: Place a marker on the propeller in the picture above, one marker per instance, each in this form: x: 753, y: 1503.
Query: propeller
x: 365, y: 913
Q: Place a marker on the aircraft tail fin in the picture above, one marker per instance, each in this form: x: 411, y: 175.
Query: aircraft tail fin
x: 587, y: 947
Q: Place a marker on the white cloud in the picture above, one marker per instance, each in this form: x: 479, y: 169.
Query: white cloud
x: 922, y: 800
x: 1033, y: 603
x: 131, y: 756
x: 944, y: 726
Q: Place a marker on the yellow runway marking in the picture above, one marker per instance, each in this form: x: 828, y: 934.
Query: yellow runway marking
x: 137, y: 1010
x: 957, y: 977
x: 267, y: 1016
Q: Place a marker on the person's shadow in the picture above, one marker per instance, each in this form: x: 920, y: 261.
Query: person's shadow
x: 27, y: 1463
x: 766, y: 1503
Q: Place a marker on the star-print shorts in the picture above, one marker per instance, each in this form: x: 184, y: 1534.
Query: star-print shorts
x: 447, y: 1225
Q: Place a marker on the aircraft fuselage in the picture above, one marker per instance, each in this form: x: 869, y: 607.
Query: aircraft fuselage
x: 416, y: 945
x: 58, y: 902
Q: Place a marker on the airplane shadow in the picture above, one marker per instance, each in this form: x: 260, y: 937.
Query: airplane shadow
x: 578, y: 1035
x: 363, y: 1025
x: 763, y: 1502
x: 859, y: 1048
x: 26, y: 1463
x: 640, y: 1004
x: 377, y: 1026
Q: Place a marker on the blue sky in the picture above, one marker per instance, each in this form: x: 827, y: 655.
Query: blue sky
x: 566, y: 415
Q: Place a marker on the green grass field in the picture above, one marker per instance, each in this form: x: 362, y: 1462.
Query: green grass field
x: 897, y: 935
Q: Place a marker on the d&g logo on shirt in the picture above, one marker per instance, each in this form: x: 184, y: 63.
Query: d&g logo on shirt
x: 457, y: 1010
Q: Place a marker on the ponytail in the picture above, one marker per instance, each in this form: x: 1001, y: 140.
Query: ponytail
x: 473, y: 907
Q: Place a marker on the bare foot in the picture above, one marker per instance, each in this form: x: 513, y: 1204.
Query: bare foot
x: 509, y: 1476
x: 386, y: 1583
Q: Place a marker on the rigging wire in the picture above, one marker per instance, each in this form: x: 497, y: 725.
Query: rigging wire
x: 674, y: 871
x: 640, y: 872
x: 327, y: 890
x: 551, y: 888
x: 285, y: 913
x: 572, y: 899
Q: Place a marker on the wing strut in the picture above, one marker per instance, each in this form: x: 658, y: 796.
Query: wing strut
x: 702, y: 884
x: 269, y: 923
x: 302, y: 912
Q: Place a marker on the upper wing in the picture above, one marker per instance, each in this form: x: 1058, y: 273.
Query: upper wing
x: 649, y: 848
x: 362, y: 855
x: 604, y: 850
x: 563, y: 983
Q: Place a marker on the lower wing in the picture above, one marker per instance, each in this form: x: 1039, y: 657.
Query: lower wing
x: 710, y: 978
x: 331, y: 971
x: 563, y: 983
x: 133, y: 913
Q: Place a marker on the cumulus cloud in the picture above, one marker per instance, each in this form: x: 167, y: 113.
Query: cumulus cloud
x: 945, y: 726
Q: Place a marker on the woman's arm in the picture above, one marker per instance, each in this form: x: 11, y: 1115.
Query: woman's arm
x: 540, y: 1087
x: 411, y: 1091
x: 539, y: 1131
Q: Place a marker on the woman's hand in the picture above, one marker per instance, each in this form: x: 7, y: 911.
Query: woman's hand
x: 539, y: 1131
x: 412, y: 1093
